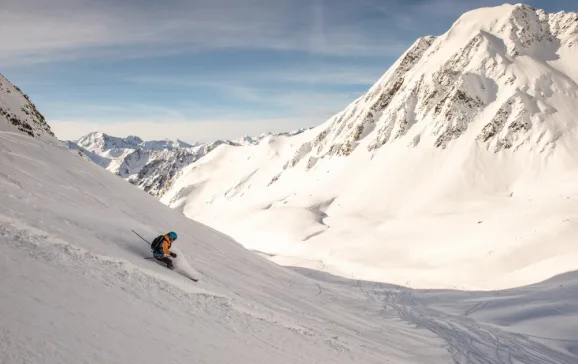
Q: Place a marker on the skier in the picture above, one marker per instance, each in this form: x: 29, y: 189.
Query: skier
x: 161, y: 248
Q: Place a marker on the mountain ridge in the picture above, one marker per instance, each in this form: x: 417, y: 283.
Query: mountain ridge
x: 19, y: 112
x: 155, y: 164
x: 478, y: 119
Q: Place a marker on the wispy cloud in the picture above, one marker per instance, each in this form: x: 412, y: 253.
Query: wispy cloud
x: 321, y: 74
x: 315, y: 106
x: 192, y: 121
x: 73, y: 29
x: 70, y: 29
x: 307, y: 89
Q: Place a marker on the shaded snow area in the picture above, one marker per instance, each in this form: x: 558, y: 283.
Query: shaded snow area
x: 75, y: 288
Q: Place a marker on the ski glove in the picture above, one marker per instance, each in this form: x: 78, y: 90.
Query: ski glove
x: 173, y: 255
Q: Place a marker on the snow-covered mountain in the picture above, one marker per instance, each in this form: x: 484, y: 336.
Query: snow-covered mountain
x: 17, y: 110
x: 150, y: 165
x: 460, y: 159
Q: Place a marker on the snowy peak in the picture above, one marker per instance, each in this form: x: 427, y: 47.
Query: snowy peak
x: 165, y: 144
x: 462, y: 128
x: 246, y: 140
x: 150, y: 165
x: 19, y: 112
x: 340, y: 134
x: 100, y: 142
x: 154, y: 170
x: 524, y: 29
x: 497, y: 75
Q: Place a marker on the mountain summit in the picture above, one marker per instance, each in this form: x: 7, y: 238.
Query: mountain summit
x: 100, y: 142
x: 17, y: 110
x: 499, y: 73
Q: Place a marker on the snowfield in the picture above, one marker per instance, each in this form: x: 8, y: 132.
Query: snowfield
x: 75, y: 288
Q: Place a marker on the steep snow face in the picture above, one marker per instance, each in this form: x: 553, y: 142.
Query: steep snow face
x: 17, y: 110
x: 75, y: 288
x: 488, y: 61
x: 446, y: 166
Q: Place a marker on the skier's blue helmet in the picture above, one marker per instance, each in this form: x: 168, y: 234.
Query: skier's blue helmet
x: 172, y: 235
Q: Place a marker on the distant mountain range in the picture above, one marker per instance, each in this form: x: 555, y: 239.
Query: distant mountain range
x: 150, y: 165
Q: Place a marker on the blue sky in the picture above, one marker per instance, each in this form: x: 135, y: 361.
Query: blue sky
x: 203, y: 70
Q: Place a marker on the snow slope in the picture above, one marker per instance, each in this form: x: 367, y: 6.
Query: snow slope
x: 461, y: 158
x: 75, y: 288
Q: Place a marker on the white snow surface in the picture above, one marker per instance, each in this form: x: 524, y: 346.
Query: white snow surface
x: 456, y: 169
x: 75, y: 288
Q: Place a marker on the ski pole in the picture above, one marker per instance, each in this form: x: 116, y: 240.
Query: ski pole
x: 140, y: 237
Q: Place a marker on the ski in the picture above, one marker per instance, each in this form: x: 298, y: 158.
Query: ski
x: 192, y: 279
x: 153, y: 258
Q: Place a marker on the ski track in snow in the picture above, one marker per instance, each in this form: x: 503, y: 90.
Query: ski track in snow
x: 468, y: 341
x: 475, y: 343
